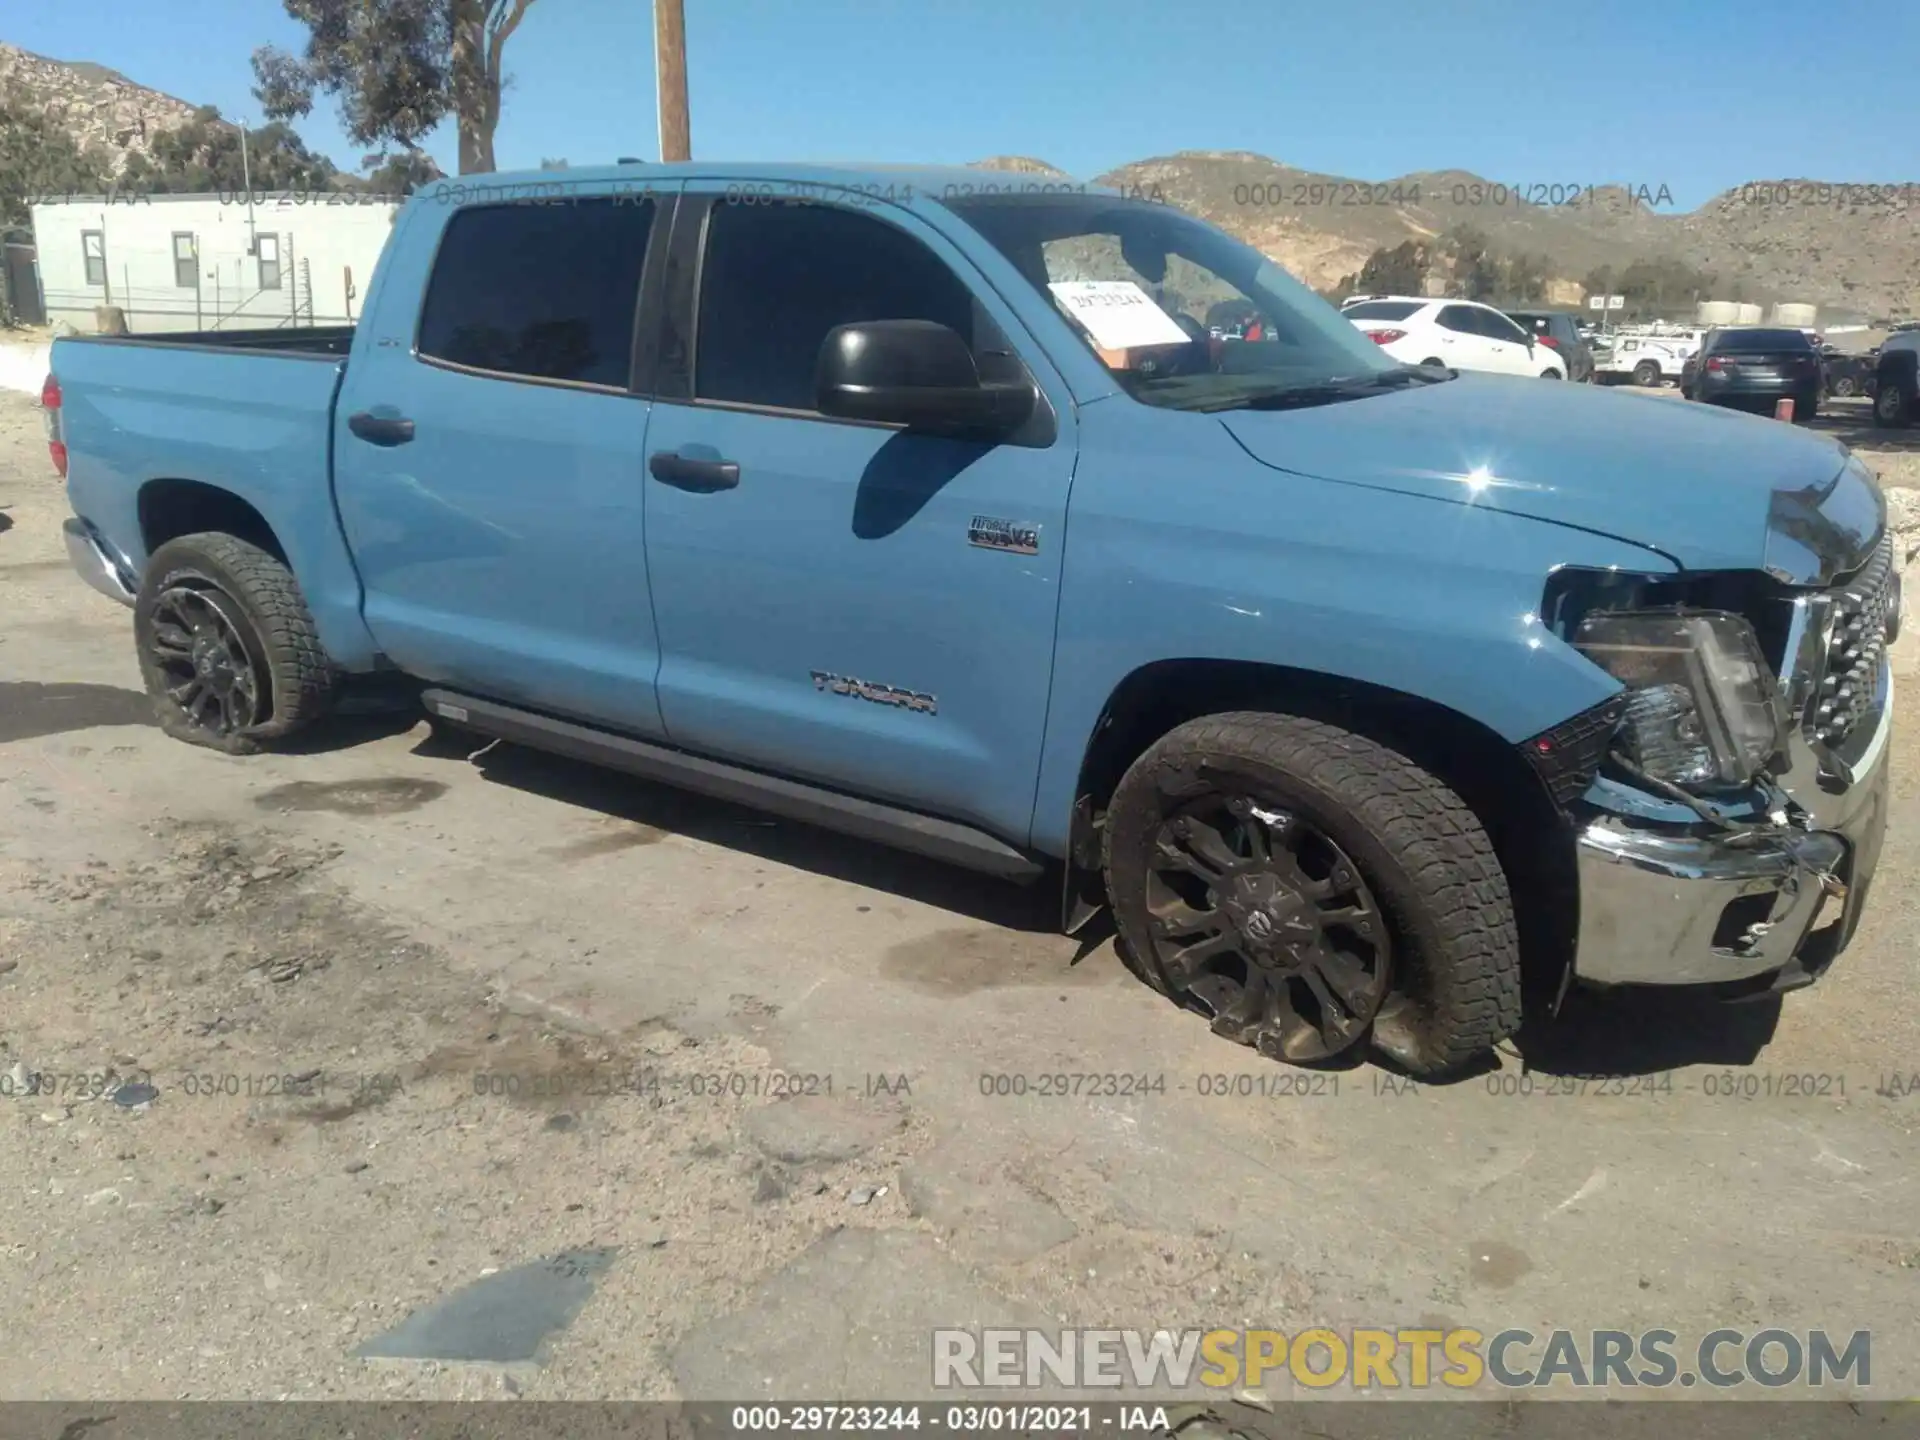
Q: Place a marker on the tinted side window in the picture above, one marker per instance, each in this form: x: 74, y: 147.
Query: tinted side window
x: 1460, y: 318
x: 1498, y: 327
x: 776, y: 280
x: 546, y: 291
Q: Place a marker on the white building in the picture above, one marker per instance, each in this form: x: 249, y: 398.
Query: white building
x: 210, y: 262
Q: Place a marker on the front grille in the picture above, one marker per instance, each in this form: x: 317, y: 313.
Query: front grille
x: 1850, y: 679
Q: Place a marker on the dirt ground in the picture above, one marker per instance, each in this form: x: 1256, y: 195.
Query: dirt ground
x: 410, y: 1019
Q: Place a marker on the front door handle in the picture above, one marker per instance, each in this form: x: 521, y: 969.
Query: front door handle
x: 380, y: 429
x: 701, y: 476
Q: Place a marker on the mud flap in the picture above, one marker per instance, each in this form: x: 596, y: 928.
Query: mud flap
x: 1083, y: 889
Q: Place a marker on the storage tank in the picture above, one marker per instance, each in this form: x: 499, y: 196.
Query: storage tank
x: 1749, y: 315
x: 1719, y: 312
x: 1794, y: 316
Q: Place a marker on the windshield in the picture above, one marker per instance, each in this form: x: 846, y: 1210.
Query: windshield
x: 1144, y: 286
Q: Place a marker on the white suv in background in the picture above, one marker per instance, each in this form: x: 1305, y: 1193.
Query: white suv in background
x: 1459, y: 334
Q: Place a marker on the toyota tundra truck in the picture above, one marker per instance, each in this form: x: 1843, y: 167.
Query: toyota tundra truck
x: 924, y: 505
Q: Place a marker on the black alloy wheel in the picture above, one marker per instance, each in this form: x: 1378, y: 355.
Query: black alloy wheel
x: 1265, y: 921
x: 1314, y: 893
x: 227, y: 647
x: 218, y: 680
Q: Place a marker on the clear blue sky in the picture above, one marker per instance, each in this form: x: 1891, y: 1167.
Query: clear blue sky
x: 1697, y: 95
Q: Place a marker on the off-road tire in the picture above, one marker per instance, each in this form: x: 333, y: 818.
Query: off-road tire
x: 277, y: 629
x: 1892, y: 405
x: 1454, y: 990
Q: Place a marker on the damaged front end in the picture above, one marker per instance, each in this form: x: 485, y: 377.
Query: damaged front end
x: 1730, y: 801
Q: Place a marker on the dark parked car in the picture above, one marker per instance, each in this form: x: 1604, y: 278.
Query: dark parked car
x: 1848, y: 374
x: 1749, y: 368
x: 1561, y: 332
x: 1896, y: 378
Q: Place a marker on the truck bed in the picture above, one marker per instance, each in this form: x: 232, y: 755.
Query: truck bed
x: 147, y: 418
x: 327, y: 341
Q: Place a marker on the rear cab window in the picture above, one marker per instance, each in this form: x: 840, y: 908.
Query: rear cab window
x: 539, y: 291
x: 1761, y: 341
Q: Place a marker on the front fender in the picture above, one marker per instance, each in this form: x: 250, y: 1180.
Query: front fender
x: 1181, y: 547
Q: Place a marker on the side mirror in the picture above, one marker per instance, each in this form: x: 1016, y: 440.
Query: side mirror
x: 915, y: 373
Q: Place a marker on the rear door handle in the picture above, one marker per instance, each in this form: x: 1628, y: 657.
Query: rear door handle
x: 701, y: 476
x: 380, y: 429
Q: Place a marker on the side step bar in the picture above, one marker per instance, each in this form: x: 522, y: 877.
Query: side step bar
x: 869, y: 819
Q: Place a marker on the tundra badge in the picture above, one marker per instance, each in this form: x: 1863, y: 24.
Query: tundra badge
x: 991, y: 534
x: 879, y: 694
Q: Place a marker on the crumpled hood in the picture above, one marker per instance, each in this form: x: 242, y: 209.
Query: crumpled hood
x: 1694, y: 482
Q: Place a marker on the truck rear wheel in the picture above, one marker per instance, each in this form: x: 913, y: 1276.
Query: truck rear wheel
x: 1647, y: 372
x: 228, y: 649
x: 1891, y: 404
x: 1311, y: 890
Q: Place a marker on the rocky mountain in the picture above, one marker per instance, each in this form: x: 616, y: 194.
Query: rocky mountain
x: 1019, y: 164
x: 1854, y: 247
x: 1845, y: 247
x: 100, y: 108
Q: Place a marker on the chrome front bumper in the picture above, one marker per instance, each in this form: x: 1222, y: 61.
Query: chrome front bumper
x: 1660, y: 908
x: 93, y: 559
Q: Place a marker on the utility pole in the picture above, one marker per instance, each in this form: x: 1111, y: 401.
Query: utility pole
x: 246, y: 179
x: 670, y: 79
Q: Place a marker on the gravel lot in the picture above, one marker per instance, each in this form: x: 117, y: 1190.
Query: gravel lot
x: 415, y: 1018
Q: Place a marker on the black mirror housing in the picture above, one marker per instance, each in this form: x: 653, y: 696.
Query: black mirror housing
x: 915, y: 373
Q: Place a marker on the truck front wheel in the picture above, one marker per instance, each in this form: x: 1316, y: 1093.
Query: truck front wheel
x: 227, y: 647
x: 1891, y: 404
x: 1311, y: 890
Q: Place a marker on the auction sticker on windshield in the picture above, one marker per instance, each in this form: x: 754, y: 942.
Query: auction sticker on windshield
x: 1118, y: 314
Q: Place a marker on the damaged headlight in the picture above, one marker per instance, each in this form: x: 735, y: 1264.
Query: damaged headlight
x: 1703, y: 711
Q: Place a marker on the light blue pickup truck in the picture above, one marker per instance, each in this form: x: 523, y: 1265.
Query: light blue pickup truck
x: 926, y: 505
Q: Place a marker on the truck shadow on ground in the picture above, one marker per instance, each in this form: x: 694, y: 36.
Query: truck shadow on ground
x: 1853, y: 425
x: 655, y: 810
x: 1640, y: 1032
x: 1620, y: 1033
x: 30, y: 709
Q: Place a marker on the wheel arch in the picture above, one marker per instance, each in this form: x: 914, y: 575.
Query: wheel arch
x: 170, y: 508
x: 1531, y: 835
